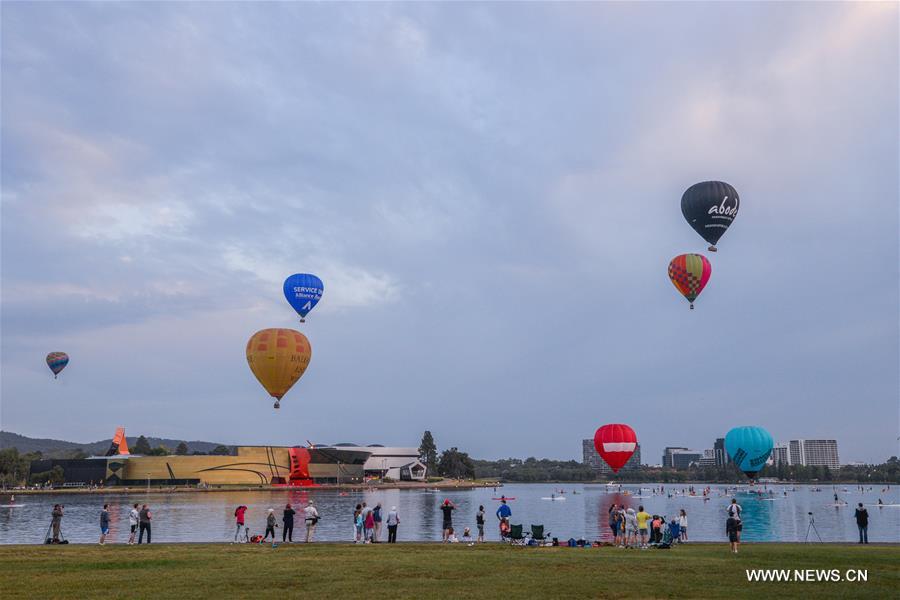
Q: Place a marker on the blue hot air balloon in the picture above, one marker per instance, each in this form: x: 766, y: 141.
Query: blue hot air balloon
x: 303, y: 291
x: 749, y: 448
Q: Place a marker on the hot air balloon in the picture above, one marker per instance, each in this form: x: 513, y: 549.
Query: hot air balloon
x: 278, y: 358
x: 57, y: 361
x: 303, y: 291
x: 615, y: 443
x: 749, y: 448
x: 690, y: 273
x: 710, y: 207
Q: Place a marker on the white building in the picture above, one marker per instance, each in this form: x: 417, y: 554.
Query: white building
x: 780, y: 454
x: 814, y: 453
x: 398, y: 463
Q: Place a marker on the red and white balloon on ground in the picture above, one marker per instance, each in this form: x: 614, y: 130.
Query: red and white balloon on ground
x: 615, y: 443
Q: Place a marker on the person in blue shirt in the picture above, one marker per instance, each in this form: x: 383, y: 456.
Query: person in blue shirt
x: 503, y: 515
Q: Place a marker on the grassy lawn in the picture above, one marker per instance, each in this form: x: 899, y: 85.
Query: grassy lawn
x: 432, y: 571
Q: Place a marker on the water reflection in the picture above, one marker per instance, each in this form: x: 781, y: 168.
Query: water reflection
x: 209, y: 516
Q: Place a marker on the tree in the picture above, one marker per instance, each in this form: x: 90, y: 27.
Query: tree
x: 454, y: 463
x: 221, y: 450
x: 181, y: 449
x: 159, y: 451
x: 428, y: 451
x: 142, y: 446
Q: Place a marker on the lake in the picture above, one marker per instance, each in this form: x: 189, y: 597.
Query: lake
x: 208, y: 517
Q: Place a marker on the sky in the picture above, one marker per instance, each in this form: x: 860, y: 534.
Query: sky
x: 491, y: 194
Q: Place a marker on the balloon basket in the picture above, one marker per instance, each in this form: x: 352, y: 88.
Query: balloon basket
x: 692, y: 306
x: 302, y: 320
x: 277, y: 405
x: 713, y: 249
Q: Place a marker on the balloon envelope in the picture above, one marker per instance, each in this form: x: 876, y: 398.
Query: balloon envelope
x: 749, y: 448
x: 303, y: 291
x: 278, y: 358
x: 690, y: 273
x: 710, y: 207
x: 615, y: 443
x: 57, y: 361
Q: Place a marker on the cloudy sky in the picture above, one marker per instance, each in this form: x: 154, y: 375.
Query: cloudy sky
x: 491, y: 195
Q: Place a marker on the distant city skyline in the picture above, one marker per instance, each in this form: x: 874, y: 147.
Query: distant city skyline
x: 490, y: 194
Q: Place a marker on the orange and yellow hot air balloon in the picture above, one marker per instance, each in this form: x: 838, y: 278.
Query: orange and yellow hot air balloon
x: 690, y: 274
x: 278, y: 358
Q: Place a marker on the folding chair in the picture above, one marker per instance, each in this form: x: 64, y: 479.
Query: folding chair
x: 516, y: 536
x: 538, y: 535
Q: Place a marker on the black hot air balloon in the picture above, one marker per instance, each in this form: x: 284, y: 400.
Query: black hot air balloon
x: 709, y: 208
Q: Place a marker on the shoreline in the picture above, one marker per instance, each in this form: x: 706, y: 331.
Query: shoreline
x: 412, y: 485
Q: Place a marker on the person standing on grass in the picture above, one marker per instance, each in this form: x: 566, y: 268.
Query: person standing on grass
x: 447, y: 508
x: 630, y: 528
x: 393, y: 519
x: 734, y: 511
x: 239, y: 521
x: 642, y: 518
x: 270, y: 526
x: 376, y: 516
x: 134, y: 517
x: 56, y: 516
x: 613, y: 522
x: 369, y: 526
x: 287, y: 532
x: 104, y: 524
x: 682, y: 524
x: 358, y: 523
x: 504, y: 512
x: 145, y: 517
x: 479, y: 522
x: 862, y: 522
x: 731, y: 529
x: 311, y: 518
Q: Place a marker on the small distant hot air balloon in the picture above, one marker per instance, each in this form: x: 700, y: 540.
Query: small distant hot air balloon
x: 615, y: 443
x: 278, y: 358
x: 710, y: 207
x: 749, y: 448
x: 303, y: 291
x: 57, y: 361
x: 690, y: 274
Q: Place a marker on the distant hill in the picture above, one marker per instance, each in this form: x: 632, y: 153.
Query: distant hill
x: 60, y: 448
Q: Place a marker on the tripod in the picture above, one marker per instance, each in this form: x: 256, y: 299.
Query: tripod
x: 812, y: 527
x: 48, y: 537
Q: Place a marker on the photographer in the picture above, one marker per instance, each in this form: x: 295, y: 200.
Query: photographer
x: 311, y: 516
x: 56, y: 521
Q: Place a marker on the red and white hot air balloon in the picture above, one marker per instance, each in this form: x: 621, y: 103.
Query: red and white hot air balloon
x: 615, y: 443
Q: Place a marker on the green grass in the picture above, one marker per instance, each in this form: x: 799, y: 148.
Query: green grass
x: 432, y: 571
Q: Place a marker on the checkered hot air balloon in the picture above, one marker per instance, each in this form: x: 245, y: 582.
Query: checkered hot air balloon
x: 57, y: 361
x: 615, y: 443
x: 690, y: 274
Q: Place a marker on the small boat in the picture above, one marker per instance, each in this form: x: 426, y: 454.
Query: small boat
x: 554, y: 498
x: 504, y: 498
x: 21, y: 505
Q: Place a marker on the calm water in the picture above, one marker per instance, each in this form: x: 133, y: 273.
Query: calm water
x: 208, y: 516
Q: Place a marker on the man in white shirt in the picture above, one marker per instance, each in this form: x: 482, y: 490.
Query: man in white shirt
x: 133, y: 518
x: 311, y: 516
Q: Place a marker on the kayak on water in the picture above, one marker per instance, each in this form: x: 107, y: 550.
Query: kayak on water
x: 505, y: 498
x: 556, y: 498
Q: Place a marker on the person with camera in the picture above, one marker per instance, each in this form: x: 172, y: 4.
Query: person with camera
x: 134, y: 517
x: 311, y: 517
x: 287, y: 532
x: 56, y: 516
x: 104, y: 524
x: 393, y: 519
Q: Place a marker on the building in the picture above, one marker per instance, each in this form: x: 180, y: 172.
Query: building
x: 814, y: 453
x: 398, y: 463
x: 709, y: 458
x: 721, y: 455
x: 780, y: 455
x: 667, y: 455
x: 684, y: 458
x: 591, y: 458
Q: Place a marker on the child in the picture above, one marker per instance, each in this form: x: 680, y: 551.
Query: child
x: 467, y: 535
x: 451, y: 537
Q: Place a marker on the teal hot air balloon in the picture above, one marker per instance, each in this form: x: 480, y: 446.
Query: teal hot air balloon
x: 749, y: 448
